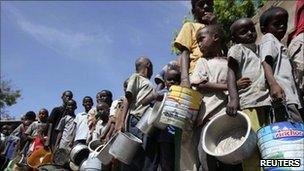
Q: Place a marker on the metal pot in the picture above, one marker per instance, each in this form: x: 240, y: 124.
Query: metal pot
x: 221, y: 126
x: 61, y: 157
x: 143, y: 124
x: 104, y: 156
x: 79, y: 153
x: 125, y: 147
x: 92, y: 163
x: 156, y: 113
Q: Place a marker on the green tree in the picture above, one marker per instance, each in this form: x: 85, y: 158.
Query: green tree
x: 227, y: 11
x: 8, y: 97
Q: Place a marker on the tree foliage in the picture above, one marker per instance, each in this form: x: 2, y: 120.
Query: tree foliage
x: 227, y: 11
x: 8, y: 96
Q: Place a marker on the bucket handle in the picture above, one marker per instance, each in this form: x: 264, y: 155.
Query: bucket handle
x: 95, y: 154
x: 287, y: 113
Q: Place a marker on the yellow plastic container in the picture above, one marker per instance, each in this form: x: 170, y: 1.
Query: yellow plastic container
x: 39, y: 157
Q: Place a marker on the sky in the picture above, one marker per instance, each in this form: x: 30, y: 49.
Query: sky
x: 48, y: 47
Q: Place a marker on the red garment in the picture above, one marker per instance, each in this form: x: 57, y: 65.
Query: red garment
x: 299, y: 20
x: 38, y: 142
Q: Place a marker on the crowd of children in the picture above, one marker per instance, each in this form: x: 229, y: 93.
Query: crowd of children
x: 264, y: 80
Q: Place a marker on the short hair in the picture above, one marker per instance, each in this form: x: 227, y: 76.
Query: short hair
x: 193, y: 2
x: 87, y: 97
x: 44, y: 109
x: 139, y: 62
x: 215, y: 29
x: 67, y: 91
x: 173, y: 66
x: 30, y: 115
x: 269, y: 13
x: 74, y: 102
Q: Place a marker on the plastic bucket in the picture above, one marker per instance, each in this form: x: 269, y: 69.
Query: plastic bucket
x: 282, y: 140
x: 154, y: 118
x: 125, y: 147
x: 39, y: 157
x: 181, y: 106
x: 143, y: 124
x: 242, y: 139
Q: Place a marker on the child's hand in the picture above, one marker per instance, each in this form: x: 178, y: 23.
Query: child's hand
x: 232, y: 107
x: 243, y: 82
x: 277, y: 93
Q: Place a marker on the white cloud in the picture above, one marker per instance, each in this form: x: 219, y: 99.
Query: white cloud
x: 70, y: 43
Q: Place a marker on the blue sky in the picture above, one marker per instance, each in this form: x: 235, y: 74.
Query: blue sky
x: 49, y: 47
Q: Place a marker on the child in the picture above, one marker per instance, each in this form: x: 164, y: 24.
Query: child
x: 32, y: 130
x: 102, y: 117
x: 81, y: 125
x: 278, y: 71
x: 66, y: 126
x: 17, y: 139
x: 210, y: 78
x: 138, y: 88
x: 5, y: 132
x: 115, y: 110
x: 57, y: 113
x: 102, y: 96
x: 186, y: 43
x: 243, y: 61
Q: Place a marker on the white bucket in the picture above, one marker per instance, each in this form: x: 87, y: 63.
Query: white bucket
x: 282, y: 140
x: 223, y: 126
x: 125, y: 147
x: 156, y: 113
x: 143, y: 124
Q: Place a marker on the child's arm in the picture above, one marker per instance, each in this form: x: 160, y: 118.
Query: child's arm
x: 185, y: 62
x: 120, y: 119
x: 233, y: 104
x: 276, y: 92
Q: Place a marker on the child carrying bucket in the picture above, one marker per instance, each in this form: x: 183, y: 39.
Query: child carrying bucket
x: 210, y: 78
x: 254, y: 100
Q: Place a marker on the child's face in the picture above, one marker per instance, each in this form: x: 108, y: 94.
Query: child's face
x: 277, y: 25
x: 206, y: 42
x: 244, y: 31
x: 102, y: 97
x: 103, y: 110
x: 172, y: 77
x: 66, y: 97
x: 43, y: 115
x: 87, y: 104
x: 5, y: 130
x: 202, y: 10
x: 71, y: 106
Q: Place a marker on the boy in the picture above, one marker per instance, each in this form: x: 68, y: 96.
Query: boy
x: 186, y: 43
x: 32, y: 130
x: 66, y: 126
x: 243, y: 61
x: 102, y: 96
x: 17, y: 139
x: 57, y: 113
x: 210, y: 78
x: 5, y: 132
x: 102, y: 118
x: 165, y: 138
x: 278, y: 71
x: 138, y: 88
x: 81, y: 125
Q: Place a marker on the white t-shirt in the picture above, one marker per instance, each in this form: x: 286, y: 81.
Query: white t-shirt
x: 256, y: 95
x: 99, y: 128
x: 212, y: 70
x: 271, y: 46
x: 82, y: 127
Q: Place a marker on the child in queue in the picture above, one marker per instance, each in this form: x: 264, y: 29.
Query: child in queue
x: 277, y: 66
x: 254, y: 100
